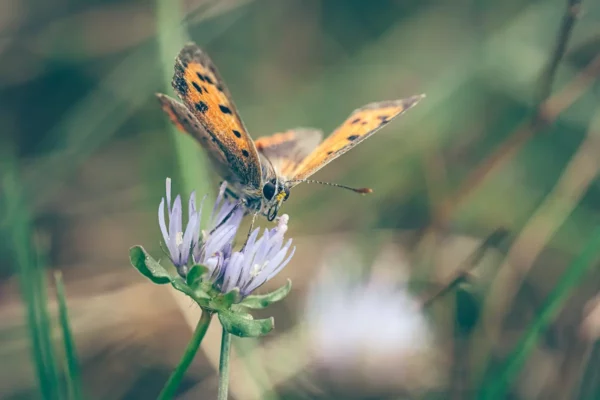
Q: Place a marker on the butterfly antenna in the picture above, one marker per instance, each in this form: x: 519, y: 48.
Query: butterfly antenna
x: 355, y: 190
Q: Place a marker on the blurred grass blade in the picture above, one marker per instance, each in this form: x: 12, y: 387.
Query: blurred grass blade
x: 72, y: 374
x: 18, y: 234
x: 498, y: 385
x: 39, y: 282
x: 95, y: 118
x: 589, y: 387
x: 171, y: 38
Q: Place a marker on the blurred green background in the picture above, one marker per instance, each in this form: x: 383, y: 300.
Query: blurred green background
x: 508, y: 138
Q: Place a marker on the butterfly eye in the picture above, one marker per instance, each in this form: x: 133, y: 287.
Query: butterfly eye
x: 269, y: 190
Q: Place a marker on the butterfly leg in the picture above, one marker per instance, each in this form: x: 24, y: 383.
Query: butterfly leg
x: 251, y: 228
x: 237, y: 206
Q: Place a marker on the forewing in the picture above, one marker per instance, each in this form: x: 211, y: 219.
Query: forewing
x: 186, y: 122
x: 361, y: 124
x: 286, y: 150
x: 199, y: 85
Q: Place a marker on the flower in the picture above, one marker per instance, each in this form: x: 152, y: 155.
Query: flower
x: 216, y: 245
x: 178, y: 242
x: 258, y: 261
x: 350, y: 319
x: 370, y: 334
x: 214, y: 276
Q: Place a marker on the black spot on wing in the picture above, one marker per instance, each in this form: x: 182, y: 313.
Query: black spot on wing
x: 220, y: 88
x: 355, y: 121
x: 180, y: 84
x: 205, y: 78
x: 237, y: 134
x: 353, y: 137
x: 329, y: 153
x: 245, y: 153
x: 384, y: 119
x: 201, y: 106
x: 224, y: 109
x: 198, y: 88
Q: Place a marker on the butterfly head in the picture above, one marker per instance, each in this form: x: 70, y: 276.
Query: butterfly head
x: 274, y: 194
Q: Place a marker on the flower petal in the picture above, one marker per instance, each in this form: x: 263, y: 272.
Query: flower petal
x: 232, y: 273
x: 200, y: 209
x: 175, y: 233
x: 273, y: 267
x: 168, y: 183
x: 161, y: 221
x: 264, y: 247
x: 186, y: 245
x: 220, y: 199
x: 212, y: 263
x: 251, y: 239
x: 192, y: 204
x: 283, y: 264
x: 219, y: 239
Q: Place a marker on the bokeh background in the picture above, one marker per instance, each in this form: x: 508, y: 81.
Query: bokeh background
x: 487, y: 188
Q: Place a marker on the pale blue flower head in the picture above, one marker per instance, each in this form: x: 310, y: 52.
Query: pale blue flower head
x: 261, y: 258
x: 209, y: 271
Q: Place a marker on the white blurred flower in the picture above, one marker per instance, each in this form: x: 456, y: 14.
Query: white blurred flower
x: 371, y: 332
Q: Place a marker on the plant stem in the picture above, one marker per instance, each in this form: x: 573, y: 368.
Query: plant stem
x: 224, y: 365
x: 72, y: 374
x: 170, y: 388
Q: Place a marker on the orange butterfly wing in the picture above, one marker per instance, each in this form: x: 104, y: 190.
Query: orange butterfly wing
x: 199, y: 85
x: 286, y: 150
x: 361, y: 124
x: 185, y: 121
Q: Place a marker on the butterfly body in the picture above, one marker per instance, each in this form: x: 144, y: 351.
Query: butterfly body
x: 260, y: 173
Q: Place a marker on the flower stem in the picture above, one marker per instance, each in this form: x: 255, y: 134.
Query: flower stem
x: 168, y: 391
x: 224, y: 365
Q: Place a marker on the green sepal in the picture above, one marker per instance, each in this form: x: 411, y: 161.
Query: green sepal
x: 148, y: 266
x: 243, y: 325
x: 225, y: 301
x: 265, y: 300
x: 195, y: 275
x: 199, y: 296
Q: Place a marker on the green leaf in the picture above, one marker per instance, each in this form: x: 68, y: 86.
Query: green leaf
x: 265, y: 300
x: 200, y: 297
x: 194, y: 276
x: 243, y: 325
x: 148, y: 266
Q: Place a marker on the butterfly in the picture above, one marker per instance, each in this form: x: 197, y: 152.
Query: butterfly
x: 261, y: 173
